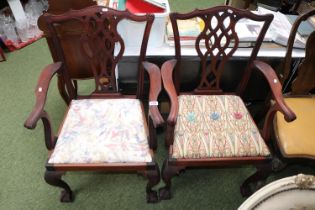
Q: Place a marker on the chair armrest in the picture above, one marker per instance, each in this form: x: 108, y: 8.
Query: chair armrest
x: 167, y: 78
x: 155, y: 89
x: 276, y: 89
x: 41, y: 93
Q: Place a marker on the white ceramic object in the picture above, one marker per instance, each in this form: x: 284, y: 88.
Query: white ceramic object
x: 292, y: 193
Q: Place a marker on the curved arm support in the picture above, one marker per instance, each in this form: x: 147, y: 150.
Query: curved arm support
x: 276, y: 89
x: 155, y: 89
x: 167, y: 77
x: 50, y: 139
x: 41, y: 94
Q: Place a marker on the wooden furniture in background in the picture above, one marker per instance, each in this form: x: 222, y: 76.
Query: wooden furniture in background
x: 302, y: 6
x: 295, y: 141
x: 210, y: 126
x: 78, y: 68
x: 241, y: 4
x: 62, y: 6
x: 105, y: 130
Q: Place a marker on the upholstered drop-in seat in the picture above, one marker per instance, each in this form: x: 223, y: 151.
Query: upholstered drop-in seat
x: 215, y: 126
x: 103, y: 130
x: 296, y: 139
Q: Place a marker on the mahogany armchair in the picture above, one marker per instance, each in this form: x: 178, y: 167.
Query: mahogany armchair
x: 295, y: 141
x: 104, y: 130
x: 211, y: 126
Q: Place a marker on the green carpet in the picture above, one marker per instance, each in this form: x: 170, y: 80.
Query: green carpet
x: 23, y: 155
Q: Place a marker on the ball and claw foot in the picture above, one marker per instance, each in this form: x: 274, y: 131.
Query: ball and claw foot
x: 152, y: 197
x: 66, y: 197
x: 165, y: 193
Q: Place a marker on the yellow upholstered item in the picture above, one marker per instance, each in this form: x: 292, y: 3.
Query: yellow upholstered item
x: 297, y: 138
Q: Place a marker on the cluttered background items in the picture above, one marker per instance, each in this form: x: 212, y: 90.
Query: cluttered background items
x: 21, y: 29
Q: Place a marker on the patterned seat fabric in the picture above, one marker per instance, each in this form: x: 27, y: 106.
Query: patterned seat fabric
x: 215, y: 126
x: 103, y: 130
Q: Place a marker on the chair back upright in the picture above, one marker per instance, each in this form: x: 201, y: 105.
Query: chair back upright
x: 100, y: 48
x: 304, y: 81
x: 216, y: 44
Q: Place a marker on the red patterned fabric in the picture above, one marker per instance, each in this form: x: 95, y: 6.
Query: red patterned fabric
x: 215, y: 126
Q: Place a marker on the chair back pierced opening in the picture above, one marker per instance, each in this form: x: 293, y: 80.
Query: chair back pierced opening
x: 99, y: 49
x: 216, y: 44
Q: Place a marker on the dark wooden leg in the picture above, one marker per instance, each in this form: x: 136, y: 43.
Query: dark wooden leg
x: 168, y: 172
x: 54, y: 178
x: 153, y: 175
x: 152, y: 137
x: 169, y: 135
x: 62, y: 90
x: 75, y: 86
x: 257, y: 179
x: 278, y: 164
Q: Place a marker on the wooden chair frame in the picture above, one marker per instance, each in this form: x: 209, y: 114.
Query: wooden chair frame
x: 301, y: 86
x: 171, y: 80
x: 305, y: 73
x: 75, y: 59
x: 100, y: 57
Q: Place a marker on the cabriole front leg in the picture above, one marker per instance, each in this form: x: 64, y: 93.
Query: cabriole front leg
x: 153, y: 176
x: 168, y: 172
x: 152, y: 135
x: 54, y: 178
x: 169, y: 135
x: 257, y: 179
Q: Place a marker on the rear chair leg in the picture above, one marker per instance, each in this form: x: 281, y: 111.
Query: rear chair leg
x: 152, y: 137
x: 257, y: 179
x: 153, y: 176
x: 168, y: 172
x: 54, y: 178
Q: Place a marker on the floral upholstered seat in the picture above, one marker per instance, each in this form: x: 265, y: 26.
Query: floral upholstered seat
x: 103, y: 130
x: 215, y: 126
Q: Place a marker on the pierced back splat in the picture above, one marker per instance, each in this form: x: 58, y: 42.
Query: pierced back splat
x: 217, y: 43
x: 98, y: 43
x: 217, y: 38
x: 98, y: 39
